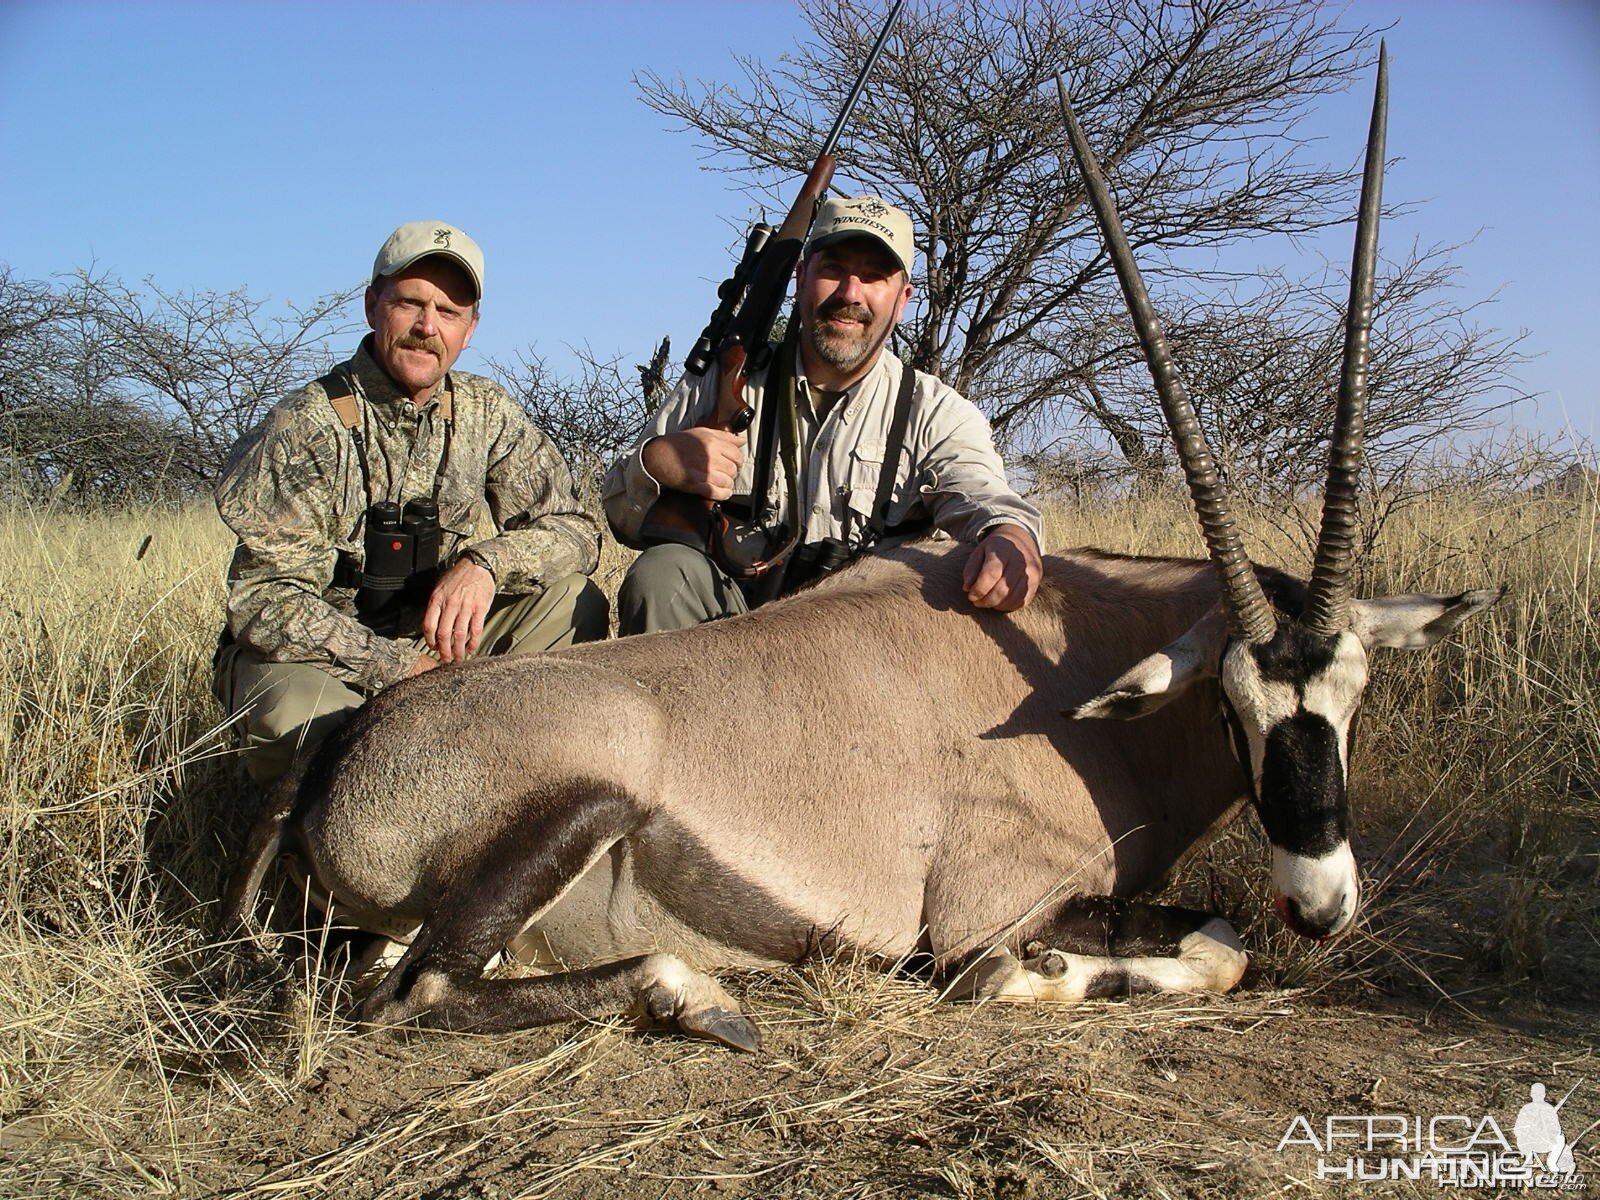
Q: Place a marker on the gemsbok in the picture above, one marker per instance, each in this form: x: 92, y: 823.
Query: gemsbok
x: 872, y: 766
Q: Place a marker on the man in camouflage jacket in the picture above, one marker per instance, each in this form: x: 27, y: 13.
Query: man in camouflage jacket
x: 303, y: 647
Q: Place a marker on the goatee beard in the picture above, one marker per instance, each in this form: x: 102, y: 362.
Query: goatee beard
x: 843, y: 351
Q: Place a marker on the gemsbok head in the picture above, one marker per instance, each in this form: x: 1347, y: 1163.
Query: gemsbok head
x: 1291, y: 682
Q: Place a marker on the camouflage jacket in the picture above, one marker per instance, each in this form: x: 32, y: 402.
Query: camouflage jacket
x: 292, y: 491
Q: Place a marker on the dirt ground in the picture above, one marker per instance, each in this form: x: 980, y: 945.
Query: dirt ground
x: 868, y: 1086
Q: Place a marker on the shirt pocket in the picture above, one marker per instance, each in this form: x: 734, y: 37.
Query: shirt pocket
x: 859, y: 491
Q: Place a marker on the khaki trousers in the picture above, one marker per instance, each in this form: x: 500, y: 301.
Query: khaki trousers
x: 671, y: 586
x: 283, y: 709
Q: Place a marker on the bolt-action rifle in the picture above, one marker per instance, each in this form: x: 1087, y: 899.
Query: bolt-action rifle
x: 737, y: 339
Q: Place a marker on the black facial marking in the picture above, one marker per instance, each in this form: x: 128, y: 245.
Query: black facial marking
x: 1294, y: 655
x: 1302, y: 791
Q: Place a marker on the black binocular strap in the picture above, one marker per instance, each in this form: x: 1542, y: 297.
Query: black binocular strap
x: 341, y: 394
x: 448, y: 412
x: 891, y: 451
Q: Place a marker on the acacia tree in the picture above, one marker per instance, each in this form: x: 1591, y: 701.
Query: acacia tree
x: 591, y: 414
x: 1193, y: 108
x: 212, y: 361
x: 109, y: 392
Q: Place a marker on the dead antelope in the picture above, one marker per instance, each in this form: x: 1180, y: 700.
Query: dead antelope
x: 872, y: 766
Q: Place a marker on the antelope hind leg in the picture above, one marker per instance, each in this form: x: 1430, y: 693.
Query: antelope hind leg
x: 658, y: 989
x: 440, y: 983
x: 1099, y: 946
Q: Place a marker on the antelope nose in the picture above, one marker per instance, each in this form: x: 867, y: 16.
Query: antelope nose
x: 1318, y: 924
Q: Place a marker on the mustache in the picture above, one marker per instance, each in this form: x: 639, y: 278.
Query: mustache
x: 855, y: 312
x: 433, y: 345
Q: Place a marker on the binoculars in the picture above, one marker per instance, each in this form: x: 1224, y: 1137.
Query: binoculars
x: 401, y: 552
x: 814, y: 561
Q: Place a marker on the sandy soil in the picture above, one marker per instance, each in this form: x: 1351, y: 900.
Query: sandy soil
x: 867, y: 1086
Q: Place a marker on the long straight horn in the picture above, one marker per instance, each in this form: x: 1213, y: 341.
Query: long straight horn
x: 1328, y: 606
x: 1250, y: 617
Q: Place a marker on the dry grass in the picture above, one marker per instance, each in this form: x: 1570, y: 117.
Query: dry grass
x: 122, y: 1070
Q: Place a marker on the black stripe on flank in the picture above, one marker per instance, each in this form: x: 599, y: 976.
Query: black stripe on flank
x: 1302, y: 791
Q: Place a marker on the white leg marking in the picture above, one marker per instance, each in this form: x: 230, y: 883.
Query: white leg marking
x: 1211, y: 959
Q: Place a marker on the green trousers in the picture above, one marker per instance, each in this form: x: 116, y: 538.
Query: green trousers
x: 283, y: 709
x: 674, y: 587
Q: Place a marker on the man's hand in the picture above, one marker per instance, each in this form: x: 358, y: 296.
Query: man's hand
x: 424, y: 662
x: 1004, y: 570
x: 699, y: 461
x: 452, y: 624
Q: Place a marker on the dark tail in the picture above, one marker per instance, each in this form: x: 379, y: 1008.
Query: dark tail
x: 260, y: 850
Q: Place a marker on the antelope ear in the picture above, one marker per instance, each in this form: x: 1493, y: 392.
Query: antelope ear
x: 1164, y: 675
x: 1414, y: 622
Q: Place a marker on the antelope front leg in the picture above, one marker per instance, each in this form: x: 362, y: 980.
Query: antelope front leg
x: 1096, y: 947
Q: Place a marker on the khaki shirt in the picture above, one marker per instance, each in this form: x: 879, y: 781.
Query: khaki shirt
x: 292, y: 491
x: 949, y: 470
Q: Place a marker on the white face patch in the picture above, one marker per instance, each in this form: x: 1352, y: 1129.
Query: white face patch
x: 1334, y: 694
x: 1258, y: 702
x: 1325, y: 891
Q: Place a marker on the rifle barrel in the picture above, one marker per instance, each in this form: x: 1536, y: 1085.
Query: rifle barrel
x: 861, y: 79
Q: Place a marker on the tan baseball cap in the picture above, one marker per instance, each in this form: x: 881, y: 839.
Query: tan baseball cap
x: 418, y: 239
x: 865, y: 216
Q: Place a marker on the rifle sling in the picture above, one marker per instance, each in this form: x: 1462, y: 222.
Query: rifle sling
x: 780, y: 389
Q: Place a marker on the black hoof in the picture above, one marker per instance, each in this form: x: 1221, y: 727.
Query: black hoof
x: 720, y: 1025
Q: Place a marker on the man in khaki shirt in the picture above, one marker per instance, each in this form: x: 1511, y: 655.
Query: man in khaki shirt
x: 853, y: 286
x: 310, y: 633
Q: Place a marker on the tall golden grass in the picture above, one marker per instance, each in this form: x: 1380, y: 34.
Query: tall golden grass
x: 122, y: 803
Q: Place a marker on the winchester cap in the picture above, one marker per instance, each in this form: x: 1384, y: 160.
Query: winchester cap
x: 418, y: 239
x: 865, y: 216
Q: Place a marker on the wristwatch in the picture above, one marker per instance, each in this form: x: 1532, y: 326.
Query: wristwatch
x: 482, y: 560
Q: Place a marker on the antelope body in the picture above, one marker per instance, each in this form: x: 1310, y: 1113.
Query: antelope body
x: 871, y: 766
x: 875, y: 766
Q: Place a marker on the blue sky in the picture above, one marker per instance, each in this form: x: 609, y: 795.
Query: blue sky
x: 273, y: 145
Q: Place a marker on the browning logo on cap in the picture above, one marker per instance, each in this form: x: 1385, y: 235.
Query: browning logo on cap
x: 418, y: 239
